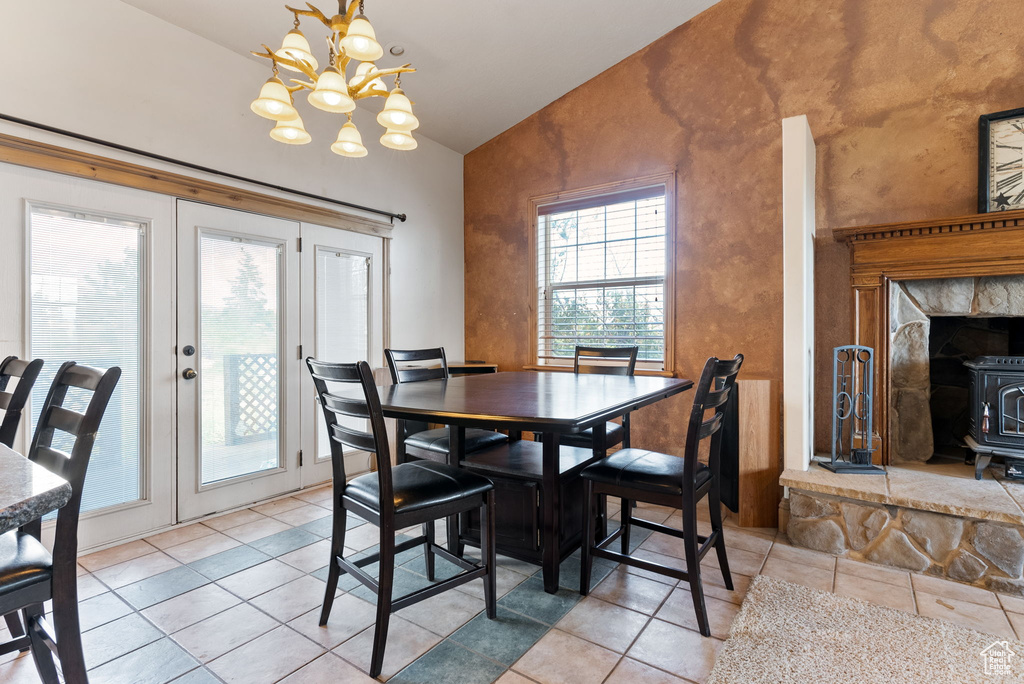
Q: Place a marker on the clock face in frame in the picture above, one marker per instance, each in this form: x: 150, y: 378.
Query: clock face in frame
x: 1006, y: 164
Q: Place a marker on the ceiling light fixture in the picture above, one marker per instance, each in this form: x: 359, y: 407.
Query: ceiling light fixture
x: 352, y: 39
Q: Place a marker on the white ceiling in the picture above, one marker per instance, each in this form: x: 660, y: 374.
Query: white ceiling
x: 482, y: 66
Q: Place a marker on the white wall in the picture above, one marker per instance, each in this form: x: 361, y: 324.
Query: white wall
x: 107, y: 70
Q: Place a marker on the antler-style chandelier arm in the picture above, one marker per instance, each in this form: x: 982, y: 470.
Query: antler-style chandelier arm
x: 373, y: 76
x: 338, y: 23
x: 284, y: 61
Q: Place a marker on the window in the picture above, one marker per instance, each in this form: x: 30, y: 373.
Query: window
x: 601, y: 266
x: 86, y: 306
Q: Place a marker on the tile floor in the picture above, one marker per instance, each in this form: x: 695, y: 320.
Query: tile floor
x: 236, y: 599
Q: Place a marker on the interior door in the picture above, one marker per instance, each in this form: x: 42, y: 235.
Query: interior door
x: 237, y: 357
x: 342, y: 320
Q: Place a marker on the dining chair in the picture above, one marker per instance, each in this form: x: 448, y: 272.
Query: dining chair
x: 415, y: 438
x: 12, y: 402
x: 393, y: 498
x: 666, y: 480
x: 610, y: 361
x: 29, y: 574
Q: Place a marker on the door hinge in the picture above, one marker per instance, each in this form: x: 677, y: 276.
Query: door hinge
x: 299, y: 244
x: 300, y: 352
x: 300, y: 458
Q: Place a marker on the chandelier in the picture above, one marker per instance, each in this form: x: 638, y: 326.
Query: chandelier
x: 352, y: 40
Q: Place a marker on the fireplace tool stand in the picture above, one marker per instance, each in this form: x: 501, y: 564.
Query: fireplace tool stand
x: 853, y: 384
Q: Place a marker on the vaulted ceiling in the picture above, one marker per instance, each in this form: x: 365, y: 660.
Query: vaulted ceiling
x: 482, y: 66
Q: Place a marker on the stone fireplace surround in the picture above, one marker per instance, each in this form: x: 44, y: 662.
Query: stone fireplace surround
x: 912, y: 304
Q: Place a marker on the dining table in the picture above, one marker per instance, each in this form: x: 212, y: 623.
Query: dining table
x: 548, y: 403
x: 28, y: 491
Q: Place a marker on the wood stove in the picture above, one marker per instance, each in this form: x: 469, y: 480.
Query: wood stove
x: 997, y: 412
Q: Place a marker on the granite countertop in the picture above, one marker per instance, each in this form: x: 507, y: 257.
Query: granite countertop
x: 27, y: 491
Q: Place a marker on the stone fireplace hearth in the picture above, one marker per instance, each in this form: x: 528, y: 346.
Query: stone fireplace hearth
x: 913, y: 306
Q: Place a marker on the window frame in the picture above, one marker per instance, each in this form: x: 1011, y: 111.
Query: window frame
x: 668, y: 181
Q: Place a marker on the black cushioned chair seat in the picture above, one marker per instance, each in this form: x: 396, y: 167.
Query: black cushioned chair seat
x: 437, y: 440
x: 613, y: 435
x: 419, y: 485
x: 645, y: 470
x: 23, y: 562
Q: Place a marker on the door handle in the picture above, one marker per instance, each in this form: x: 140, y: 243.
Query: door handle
x: 189, y: 374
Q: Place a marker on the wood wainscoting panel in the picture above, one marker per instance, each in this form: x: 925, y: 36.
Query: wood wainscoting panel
x: 759, y: 418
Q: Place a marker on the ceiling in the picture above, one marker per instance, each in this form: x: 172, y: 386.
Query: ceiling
x: 481, y: 66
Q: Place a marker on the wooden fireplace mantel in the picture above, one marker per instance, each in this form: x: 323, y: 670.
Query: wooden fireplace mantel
x: 965, y: 246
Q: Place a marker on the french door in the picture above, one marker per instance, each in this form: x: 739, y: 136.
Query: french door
x: 237, y: 358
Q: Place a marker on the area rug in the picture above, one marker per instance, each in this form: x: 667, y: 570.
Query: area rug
x: 789, y: 633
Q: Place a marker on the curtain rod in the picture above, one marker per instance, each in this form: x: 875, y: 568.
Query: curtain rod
x: 197, y: 167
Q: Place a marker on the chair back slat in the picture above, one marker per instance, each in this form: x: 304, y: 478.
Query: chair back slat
x: 13, y: 402
x: 367, y: 407
x: 720, y: 374
x: 612, y: 360
x: 418, y: 373
x: 72, y: 465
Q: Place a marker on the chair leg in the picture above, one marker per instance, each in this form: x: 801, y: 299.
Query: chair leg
x: 334, y: 571
x: 385, y: 583
x: 625, y: 522
x: 693, y: 566
x: 40, y: 651
x: 69, y: 639
x: 488, y: 554
x: 715, y: 504
x: 14, y: 625
x: 428, y: 552
x: 589, y: 523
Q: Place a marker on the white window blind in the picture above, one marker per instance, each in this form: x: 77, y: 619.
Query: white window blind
x: 601, y: 270
x: 85, y: 290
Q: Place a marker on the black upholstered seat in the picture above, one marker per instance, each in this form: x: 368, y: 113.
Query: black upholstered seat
x: 614, y: 434
x: 645, y: 470
x: 418, y: 485
x: 24, y: 561
x: 436, y: 440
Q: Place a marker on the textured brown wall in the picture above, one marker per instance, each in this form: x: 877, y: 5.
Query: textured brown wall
x: 892, y: 90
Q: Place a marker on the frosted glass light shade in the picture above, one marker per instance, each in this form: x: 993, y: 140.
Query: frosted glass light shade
x: 398, y: 140
x: 290, y: 132
x: 296, y: 47
x: 361, y: 42
x: 349, y: 142
x: 397, y: 114
x: 331, y: 93
x: 274, y: 102
x: 362, y: 71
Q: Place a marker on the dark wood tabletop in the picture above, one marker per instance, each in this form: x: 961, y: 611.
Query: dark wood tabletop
x: 533, y: 401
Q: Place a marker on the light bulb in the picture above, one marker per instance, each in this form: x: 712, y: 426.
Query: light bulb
x: 274, y: 101
x: 398, y: 140
x: 360, y: 41
x: 296, y: 47
x: 349, y: 142
x: 290, y: 132
x: 397, y: 114
x: 331, y: 92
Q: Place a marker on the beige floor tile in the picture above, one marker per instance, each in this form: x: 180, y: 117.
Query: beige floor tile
x: 741, y: 561
x: 982, y: 618
x: 807, y: 575
x: 328, y: 668
x: 406, y: 642
x: 899, y: 578
x: 511, y: 677
x: 316, y: 494
x: 956, y: 590
x: 795, y: 554
x: 873, y: 591
x: 677, y: 650
x: 444, y: 613
x: 660, y: 559
x: 122, y: 574
x: 630, y: 671
x: 89, y: 586
x: 678, y: 609
x: 748, y: 541
x: 179, y: 535
x: 278, y: 506
x: 115, y: 555
x: 561, y: 658
x: 189, y: 608
x: 235, y: 519
x: 19, y: 669
x: 257, y: 529
x: 302, y: 514
x: 603, y: 623
x: 362, y: 537
x: 201, y: 548
x: 215, y: 636
x: 1017, y: 622
x: 1012, y: 604
x: 714, y: 585
x: 349, y: 616
x: 259, y: 579
x: 632, y: 591
x: 309, y: 558
x: 267, y: 658
x: 293, y: 599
